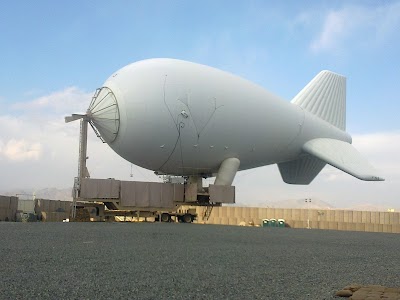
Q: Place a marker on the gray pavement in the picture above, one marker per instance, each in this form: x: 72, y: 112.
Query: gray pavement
x: 189, y: 261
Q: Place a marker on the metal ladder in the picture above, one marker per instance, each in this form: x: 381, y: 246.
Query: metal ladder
x: 207, y: 212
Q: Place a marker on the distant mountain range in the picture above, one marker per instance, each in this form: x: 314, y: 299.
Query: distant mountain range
x: 315, y: 204
x: 48, y: 193
x: 370, y: 207
x: 292, y: 203
x: 301, y: 203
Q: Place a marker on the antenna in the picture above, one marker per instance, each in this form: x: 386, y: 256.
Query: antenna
x: 131, y: 170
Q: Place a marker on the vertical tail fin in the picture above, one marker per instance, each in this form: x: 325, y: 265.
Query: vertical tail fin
x: 325, y: 97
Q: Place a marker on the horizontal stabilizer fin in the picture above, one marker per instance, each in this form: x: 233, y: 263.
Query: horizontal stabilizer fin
x: 302, y: 170
x: 343, y: 156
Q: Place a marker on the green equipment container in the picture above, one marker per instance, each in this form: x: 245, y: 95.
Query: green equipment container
x: 272, y: 223
x: 281, y: 223
x: 265, y: 223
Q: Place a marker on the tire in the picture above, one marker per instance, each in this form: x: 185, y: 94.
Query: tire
x: 165, y: 217
x: 187, y: 218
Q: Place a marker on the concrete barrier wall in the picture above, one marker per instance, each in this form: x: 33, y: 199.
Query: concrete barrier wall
x: 297, y: 218
x: 49, y: 210
x: 26, y: 206
x: 54, y: 216
x: 52, y: 210
x: 8, y: 208
x: 47, y: 206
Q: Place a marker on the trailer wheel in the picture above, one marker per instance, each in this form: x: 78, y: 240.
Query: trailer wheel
x: 187, y: 218
x: 165, y: 217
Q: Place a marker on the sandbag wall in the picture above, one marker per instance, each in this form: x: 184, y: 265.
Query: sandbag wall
x: 297, y: 218
x: 8, y: 208
x: 52, y: 210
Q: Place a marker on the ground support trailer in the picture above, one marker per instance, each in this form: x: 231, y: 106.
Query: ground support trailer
x: 163, y: 201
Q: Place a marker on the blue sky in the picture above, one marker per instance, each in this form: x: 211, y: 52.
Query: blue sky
x: 49, y: 45
x: 54, y: 54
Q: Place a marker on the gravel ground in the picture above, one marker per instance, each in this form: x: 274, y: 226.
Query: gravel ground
x: 189, y: 261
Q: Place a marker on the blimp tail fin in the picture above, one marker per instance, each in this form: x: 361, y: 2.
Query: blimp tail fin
x: 325, y: 97
x: 302, y: 170
x: 343, y: 156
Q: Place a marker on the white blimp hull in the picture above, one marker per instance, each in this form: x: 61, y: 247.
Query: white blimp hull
x: 181, y: 118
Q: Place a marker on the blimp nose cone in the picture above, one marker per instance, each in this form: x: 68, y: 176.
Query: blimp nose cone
x: 103, y: 114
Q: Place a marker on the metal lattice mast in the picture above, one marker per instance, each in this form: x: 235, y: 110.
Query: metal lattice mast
x: 82, y: 173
